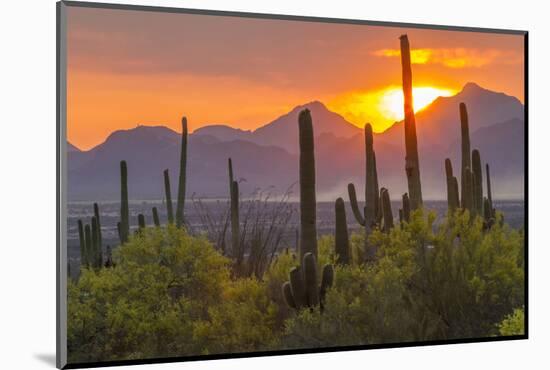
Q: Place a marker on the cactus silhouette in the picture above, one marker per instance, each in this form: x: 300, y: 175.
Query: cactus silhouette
x: 96, y: 254
x: 88, y: 240
x: 124, y: 210
x: 99, y: 235
x: 82, y: 240
x: 387, y: 214
x: 412, y: 163
x: 467, y: 192
x: 168, y: 193
x: 489, y: 191
x: 466, y: 154
x: 308, y: 207
x: 369, y: 218
x: 477, y: 182
x: 182, y: 180
x: 303, y: 290
x: 341, y: 238
x: 141, y: 221
x: 406, y: 207
x: 452, y: 187
x: 156, y: 219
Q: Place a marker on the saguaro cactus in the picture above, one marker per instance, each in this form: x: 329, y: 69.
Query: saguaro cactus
x: 182, y: 180
x: 99, y: 235
x: 452, y: 187
x: 141, y: 221
x: 303, y: 290
x: 168, y: 192
x: 124, y: 210
x: 88, y: 240
x: 386, y: 210
x: 235, y: 227
x: 412, y: 163
x: 156, y: 219
x: 96, y: 254
x: 467, y: 192
x: 478, y: 182
x: 368, y: 218
x: 341, y: 238
x: 308, y: 203
x: 466, y: 154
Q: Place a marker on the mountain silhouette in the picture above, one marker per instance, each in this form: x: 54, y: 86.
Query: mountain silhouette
x: 268, y: 157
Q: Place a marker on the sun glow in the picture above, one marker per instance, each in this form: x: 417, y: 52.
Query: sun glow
x: 392, y: 101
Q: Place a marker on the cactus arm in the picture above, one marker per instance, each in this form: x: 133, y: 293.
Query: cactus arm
x: 182, y: 176
x: 386, y: 209
x: 287, y: 295
x: 327, y: 280
x: 310, y: 279
x: 141, y: 221
x: 354, y: 206
x: 298, y: 288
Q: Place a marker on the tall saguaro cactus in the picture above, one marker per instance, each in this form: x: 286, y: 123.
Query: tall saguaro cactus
x: 182, y: 179
x: 99, y: 235
x: 477, y: 182
x: 452, y: 187
x: 341, y: 237
x: 124, y: 210
x: 386, y: 210
x: 367, y: 218
x: 412, y: 163
x: 308, y: 203
x: 168, y: 192
x: 468, y: 193
x: 82, y: 240
x: 489, y: 191
x: 466, y: 154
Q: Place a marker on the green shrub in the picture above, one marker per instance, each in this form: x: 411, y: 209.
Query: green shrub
x: 513, y: 324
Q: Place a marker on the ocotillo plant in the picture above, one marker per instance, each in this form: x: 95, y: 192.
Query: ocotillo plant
x: 452, y: 187
x: 412, y: 162
x: 386, y: 210
x: 308, y: 203
x: 156, y: 219
x: 124, y: 210
x: 477, y: 182
x: 302, y: 290
x: 99, y: 235
x: 168, y: 192
x: 466, y: 154
x: 368, y: 218
x: 182, y: 179
x: 341, y: 238
x: 235, y: 230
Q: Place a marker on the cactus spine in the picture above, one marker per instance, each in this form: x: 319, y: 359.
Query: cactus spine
x: 466, y: 158
x: 308, y: 207
x: 124, y: 210
x: 412, y: 163
x: 386, y: 210
x: 156, y: 219
x: 168, y: 192
x: 341, y: 238
x: 452, y: 187
x: 183, y: 169
x: 477, y: 182
x: 369, y: 217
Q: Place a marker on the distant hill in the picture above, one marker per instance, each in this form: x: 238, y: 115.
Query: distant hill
x: 267, y: 157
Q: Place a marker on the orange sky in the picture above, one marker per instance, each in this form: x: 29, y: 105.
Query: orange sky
x: 132, y: 67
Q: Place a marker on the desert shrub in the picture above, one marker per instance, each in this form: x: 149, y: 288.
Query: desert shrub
x: 513, y: 324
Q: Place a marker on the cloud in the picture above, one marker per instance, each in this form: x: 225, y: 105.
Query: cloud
x: 456, y: 57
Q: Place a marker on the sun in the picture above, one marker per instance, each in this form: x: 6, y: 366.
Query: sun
x: 391, y: 101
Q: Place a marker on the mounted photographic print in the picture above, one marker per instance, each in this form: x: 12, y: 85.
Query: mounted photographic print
x: 235, y: 184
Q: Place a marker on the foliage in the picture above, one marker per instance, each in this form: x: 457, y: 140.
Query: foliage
x: 513, y: 324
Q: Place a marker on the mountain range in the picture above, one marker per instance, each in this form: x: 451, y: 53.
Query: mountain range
x: 268, y: 156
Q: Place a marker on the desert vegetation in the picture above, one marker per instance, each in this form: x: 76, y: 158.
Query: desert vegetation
x: 171, y: 290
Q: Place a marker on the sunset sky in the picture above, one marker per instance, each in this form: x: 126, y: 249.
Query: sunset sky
x: 133, y: 67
